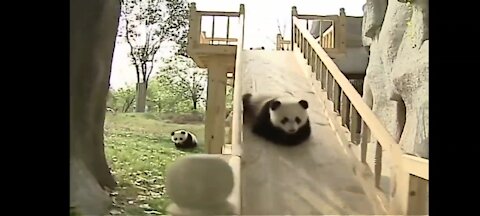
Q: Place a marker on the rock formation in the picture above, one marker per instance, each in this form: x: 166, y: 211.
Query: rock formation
x: 396, y: 82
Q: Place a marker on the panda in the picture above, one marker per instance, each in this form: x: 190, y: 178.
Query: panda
x: 258, y: 48
x: 282, y: 120
x: 184, y: 139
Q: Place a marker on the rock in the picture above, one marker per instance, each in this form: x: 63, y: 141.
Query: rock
x: 376, y: 12
x: 378, y: 80
x: 200, y: 183
x: 85, y: 193
x: 410, y: 79
x: 396, y: 81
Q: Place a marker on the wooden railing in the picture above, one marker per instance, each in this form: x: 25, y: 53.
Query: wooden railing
x: 333, y: 40
x: 215, y: 41
x: 328, y: 38
x: 410, y: 174
x: 283, y: 44
x: 197, y: 36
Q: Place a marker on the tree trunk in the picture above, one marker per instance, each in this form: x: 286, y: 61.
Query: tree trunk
x: 194, y: 105
x: 141, y: 97
x: 93, y: 28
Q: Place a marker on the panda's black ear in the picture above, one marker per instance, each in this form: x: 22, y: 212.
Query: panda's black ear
x: 303, y: 103
x: 262, y: 48
x: 183, y: 132
x: 275, y: 104
x: 173, y: 133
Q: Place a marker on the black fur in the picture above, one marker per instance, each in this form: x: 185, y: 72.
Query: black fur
x: 186, y: 144
x: 247, y: 108
x: 263, y: 127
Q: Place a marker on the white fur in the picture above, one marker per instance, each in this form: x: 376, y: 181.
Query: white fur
x: 291, y: 109
x: 182, y: 137
x: 258, y: 100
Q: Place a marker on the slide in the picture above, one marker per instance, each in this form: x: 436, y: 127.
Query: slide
x: 316, y: 178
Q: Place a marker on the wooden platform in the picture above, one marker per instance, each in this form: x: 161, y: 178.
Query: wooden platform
x: 316, y: 178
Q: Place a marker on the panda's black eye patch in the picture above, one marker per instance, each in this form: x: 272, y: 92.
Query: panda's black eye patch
x: 175, y: 139
x: 284, y: 120
x: 298, y: 120
x: 181, y: 139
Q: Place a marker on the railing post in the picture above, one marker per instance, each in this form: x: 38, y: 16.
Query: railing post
x: 279, y: 40
x: 378, y: 164
x: 294, y: 14
x: 242, y: 16
x: 340, y: 38
x: 364, y: 142
x: 194, y: 26
x: 345, y: 110
x: 318, y: 68
x: 242, y: 9
x: 336, y: 97
x: 228, y: 29
x: 417, y: 196
x: 355, y: 127
x: 213, y: 28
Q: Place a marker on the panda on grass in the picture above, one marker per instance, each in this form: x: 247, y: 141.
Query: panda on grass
x: 184, y: 139
x: 281, y: 120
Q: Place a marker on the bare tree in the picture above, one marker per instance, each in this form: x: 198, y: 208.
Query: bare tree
x: 147, y: 24
x: 281, y: 30
x: 186, y: 78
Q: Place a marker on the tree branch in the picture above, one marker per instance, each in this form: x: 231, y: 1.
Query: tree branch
x: 132, y: 53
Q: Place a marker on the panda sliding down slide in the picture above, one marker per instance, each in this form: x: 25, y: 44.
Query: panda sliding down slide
x: 281, y: 120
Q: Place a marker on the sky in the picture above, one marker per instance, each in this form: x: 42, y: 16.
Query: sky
x: 262, y: 18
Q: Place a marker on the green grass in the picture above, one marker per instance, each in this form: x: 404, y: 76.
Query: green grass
x: 138, y: 149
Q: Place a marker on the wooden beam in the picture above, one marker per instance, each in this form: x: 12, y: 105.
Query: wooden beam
x: 317, y: 17
x: 417, y: 196
x: 216, y: 96
x: 205, y: 49
x: 416, y: 166
x: 219, y: 13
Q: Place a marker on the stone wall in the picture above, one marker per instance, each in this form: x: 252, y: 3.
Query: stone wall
x: 396, y: 82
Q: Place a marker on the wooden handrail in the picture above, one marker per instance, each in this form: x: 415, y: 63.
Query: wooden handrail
x: 335, y: 83
x: 377, y: 128
x: 416, y: 166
